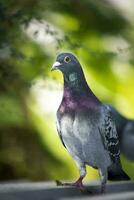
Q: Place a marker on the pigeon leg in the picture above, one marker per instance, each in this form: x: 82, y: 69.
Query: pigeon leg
x: 103, y: 175
x: 78, y: 183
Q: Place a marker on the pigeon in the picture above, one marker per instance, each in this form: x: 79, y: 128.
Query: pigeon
x: 125, y: 130
x: 85, y: 125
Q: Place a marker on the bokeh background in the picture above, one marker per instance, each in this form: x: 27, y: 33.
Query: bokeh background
x: 32, y: 33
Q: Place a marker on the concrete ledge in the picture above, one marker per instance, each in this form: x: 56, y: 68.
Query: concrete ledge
x: 49, y: 191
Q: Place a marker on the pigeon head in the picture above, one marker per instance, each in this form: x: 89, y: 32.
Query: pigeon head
x: 74, y: 80
x: 68, y: 64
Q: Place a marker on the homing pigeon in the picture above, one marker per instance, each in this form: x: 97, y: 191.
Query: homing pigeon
x: 85, y: 125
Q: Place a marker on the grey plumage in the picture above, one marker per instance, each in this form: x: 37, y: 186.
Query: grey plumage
x: 84, y: 124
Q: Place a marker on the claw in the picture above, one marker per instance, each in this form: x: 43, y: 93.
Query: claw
x: 58, y: 183
x: 77, y: 184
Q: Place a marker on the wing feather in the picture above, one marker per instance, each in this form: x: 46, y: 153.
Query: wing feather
x: 109, y: 135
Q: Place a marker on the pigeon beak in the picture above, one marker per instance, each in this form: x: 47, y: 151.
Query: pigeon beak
x: 55, y: 66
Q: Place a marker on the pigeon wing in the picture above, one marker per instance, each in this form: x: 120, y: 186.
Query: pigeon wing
x: 109, y: 135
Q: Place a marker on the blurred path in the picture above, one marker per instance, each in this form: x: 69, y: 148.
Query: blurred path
x: 49, y: 191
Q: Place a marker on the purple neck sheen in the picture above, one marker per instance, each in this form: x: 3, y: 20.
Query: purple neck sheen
x: 78, y: 94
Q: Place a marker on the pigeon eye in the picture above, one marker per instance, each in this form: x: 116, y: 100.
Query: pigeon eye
x: 67, y: 59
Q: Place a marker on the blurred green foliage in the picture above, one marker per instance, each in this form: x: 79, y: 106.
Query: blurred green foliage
x: 32, y: 32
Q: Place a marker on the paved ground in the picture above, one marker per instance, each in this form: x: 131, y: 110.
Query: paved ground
x: 49, y: 191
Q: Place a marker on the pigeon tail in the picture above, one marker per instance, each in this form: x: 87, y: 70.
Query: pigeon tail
x: 116, y: 173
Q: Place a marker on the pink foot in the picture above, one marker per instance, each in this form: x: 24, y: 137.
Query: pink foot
x: 77, y: 184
